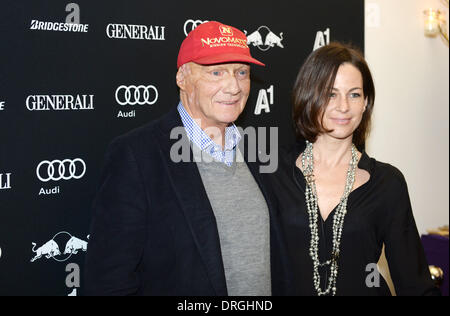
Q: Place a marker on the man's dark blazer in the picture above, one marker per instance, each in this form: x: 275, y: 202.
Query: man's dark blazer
x: 153, y: 230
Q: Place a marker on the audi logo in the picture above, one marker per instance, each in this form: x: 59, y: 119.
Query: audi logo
x: 132, y: 95
x: 193, y: 25
x: 61, y: 170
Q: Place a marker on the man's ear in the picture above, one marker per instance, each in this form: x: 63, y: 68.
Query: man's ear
x: 182, y: 77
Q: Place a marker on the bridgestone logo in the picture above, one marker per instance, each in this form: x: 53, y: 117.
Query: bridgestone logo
x: 58, y: 27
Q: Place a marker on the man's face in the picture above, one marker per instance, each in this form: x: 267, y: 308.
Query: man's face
x: 214, y: 94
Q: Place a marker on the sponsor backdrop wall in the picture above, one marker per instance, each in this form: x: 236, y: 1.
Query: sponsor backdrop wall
x: 73, y: 76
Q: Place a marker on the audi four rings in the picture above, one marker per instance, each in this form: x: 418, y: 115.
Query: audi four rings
x: 57, y: 170
x: 132, y: 95
x: 193, y: 24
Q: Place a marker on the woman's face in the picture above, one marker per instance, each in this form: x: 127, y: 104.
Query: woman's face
x: 347, y: 103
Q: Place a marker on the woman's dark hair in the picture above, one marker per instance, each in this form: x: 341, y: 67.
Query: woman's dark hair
x: 314, y: 83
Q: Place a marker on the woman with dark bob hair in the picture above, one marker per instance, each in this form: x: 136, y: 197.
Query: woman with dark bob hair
x: 337, y: 205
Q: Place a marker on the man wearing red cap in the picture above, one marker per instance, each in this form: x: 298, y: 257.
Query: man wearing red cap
x: 201, y: 225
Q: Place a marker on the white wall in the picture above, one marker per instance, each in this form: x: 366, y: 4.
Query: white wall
x: 411, y: 116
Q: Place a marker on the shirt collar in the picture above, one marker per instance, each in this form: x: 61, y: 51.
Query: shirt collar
x: 201, y: 139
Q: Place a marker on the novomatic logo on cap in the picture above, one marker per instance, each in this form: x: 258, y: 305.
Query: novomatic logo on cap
x: 214, y: 43
x: 226, y: 30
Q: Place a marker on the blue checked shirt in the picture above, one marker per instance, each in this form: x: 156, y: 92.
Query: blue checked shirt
x: 205, y: 143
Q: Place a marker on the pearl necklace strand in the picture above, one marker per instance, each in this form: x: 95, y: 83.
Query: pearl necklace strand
x: 338, y: 218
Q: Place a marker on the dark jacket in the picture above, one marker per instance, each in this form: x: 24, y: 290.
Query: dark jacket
x: 154, y: 231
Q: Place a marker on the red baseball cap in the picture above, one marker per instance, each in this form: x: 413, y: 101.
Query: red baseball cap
x: 215, y: 43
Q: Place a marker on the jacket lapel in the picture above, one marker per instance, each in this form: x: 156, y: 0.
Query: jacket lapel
x: 190, y: 192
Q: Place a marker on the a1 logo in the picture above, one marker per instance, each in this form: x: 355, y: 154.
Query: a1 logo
x: 322, y: 39
x: 265, y: 100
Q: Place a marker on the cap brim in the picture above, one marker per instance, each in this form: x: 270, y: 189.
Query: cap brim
x: 227, y: 58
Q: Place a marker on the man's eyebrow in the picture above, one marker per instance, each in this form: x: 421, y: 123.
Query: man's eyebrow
x: 214, y: 67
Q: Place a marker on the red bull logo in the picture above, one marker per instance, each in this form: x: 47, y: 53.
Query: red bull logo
x: 51, y: 249
x: 264, y: 39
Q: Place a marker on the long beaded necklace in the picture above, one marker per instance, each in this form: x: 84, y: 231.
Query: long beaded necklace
x: 338, y: 218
